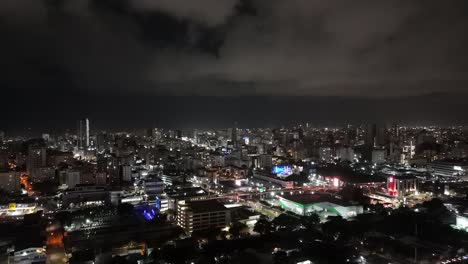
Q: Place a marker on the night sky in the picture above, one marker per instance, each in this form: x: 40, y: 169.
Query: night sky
x: 208, y: 63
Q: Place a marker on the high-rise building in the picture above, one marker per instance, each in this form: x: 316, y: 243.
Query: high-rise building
x: 70, y: 178
x: 325, y: 154
x: 380, y: 136
x: 375, y: 135
x: 126, y: 173
x: 345, y: 154
x: 9, y: 181
x: 265, y: 161
x: 378, y: 156
x: 234, y: 135
x: 101, y: 178
x: 370, y: 134
x: 83, y: 133
x: 36, y: 159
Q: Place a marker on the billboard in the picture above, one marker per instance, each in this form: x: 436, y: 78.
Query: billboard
x: 282, y: 170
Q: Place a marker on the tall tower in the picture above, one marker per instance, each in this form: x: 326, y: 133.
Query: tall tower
x: 371, y: 131
x: 83, y: 133
x: 37, y: 158
x: 234, y: 135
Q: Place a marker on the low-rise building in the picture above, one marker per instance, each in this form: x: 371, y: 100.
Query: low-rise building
x: 401, y: 186
x: 449, y: 168
x: 271, y: 179
x: 304, y: 204
x: 83, y: 195
x: 196, y: 216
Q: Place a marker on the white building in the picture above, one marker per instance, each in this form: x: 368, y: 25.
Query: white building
x: 462, y: 222
x: 29, y: 255
x: 195, y: 216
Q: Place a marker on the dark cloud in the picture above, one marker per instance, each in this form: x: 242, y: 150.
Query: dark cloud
x: 361, y: 48
x: 209, y: 12
x: 297, y: 47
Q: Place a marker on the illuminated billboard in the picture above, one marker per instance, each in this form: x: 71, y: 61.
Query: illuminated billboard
x: 282, y: 170
x: 391, y: 186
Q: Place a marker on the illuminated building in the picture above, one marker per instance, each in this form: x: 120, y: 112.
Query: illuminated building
x: 195, y: 216
x: 401, y: 186
x: 462, y: 223
x: 17, y: 207
x: 126, y: 173
x: 83, y: 133
x: 325, y: 154
x: 36, y: 159
x: 83, y: 195
x: 10, y: 181
x: 29, y: 255
x: 268, y: 179
x: 304, y: 204
x: 153, y: 186
x: 449, y: 168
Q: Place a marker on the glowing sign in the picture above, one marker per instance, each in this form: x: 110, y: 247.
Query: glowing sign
x: 391, y: 186
x: 12, y: 206
x: 147, y: 212
x: 282, y: 170
x: 336, y: 182
x: 238, y: 183
x: 158, y: 203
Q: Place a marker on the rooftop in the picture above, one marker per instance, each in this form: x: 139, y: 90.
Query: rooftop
x: 306, y: 199
x: 206, y: 206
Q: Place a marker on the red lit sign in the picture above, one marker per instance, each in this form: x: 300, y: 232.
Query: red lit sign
x: 391, y: 186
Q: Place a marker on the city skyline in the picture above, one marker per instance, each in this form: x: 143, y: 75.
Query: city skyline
x: 233, y: 131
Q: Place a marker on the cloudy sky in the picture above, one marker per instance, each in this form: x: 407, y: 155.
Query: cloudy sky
x: 212, y: 61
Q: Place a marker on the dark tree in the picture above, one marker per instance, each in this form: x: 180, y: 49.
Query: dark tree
x: 285, y: 222
x: 209, y: 234
x: 336, y: 227
x: 236, y: 229
x: 263, y: 226
x: 280, y: 257
x: 353, y: 194
x: 310, y: 222
x: 125, y: 209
